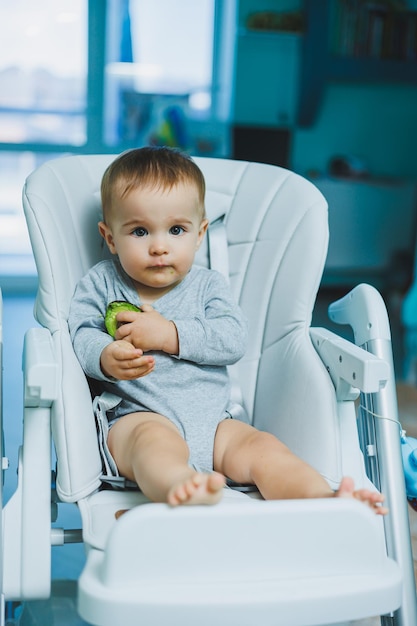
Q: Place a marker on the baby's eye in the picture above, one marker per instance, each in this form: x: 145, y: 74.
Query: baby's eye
x: 139, y: 232
x: 176, y: 230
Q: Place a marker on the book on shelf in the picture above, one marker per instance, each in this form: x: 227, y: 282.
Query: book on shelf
x: 375, y: 30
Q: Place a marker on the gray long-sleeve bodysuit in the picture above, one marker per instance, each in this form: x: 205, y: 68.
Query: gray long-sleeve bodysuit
x: 193, y: 389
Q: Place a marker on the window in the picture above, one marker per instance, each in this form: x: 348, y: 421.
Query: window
x: 160, y: 73
x: 96, y: 76
x: 43, y: 95
x: 43, y: 70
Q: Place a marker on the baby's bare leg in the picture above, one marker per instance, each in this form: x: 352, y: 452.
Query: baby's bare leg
x: 149, y: 450
x: 247, y: 455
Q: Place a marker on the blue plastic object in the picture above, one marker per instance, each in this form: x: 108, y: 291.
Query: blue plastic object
x: 409, y: 454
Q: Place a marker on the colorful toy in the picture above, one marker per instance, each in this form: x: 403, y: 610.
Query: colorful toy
x: 172, y: 129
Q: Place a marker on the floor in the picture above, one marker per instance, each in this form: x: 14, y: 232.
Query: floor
x: 67, y: 561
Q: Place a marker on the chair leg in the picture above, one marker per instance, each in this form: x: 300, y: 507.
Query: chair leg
x: 389, y: 478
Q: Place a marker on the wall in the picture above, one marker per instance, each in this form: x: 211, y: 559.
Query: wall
x: 377, y: 123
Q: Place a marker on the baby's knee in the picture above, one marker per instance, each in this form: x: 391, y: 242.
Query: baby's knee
x: 132, y: 431
x: 266, y: 441
x: 148, y: 430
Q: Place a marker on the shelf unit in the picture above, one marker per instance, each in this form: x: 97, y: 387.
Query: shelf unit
x: 320, y: 66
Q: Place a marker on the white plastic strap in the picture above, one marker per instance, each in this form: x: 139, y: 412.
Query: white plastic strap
x: 217, y: 246
x: 102, y: 404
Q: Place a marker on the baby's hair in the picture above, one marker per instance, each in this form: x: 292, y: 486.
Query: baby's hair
x: 158, y: 167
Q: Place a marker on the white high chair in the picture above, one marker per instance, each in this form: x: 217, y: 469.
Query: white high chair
x: 244, y: 561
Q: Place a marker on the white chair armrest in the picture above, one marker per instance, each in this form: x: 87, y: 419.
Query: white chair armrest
x: 27, y: 515
x: 39, y: 369
x: 351, y: 368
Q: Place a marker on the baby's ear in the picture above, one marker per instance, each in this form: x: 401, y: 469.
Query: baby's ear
x: 107, y: 235
x: 202, y: 231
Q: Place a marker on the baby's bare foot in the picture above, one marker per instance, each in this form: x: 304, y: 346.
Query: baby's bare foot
x: 198, y: 488
x: 373, y: 499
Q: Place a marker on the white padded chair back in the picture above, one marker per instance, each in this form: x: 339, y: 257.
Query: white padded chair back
x: 277, y: 232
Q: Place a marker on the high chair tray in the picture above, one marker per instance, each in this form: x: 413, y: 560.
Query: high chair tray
x: 232, y: 563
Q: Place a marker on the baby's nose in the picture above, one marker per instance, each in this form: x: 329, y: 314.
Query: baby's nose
x: 158, y: 246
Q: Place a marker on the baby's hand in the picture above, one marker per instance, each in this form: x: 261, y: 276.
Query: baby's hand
x: 121, y: 360
x: 148, y: 330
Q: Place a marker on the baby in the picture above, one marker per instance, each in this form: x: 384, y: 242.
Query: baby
x: 173, y: 431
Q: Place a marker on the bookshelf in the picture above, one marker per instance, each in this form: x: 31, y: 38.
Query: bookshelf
x: 354, y: 41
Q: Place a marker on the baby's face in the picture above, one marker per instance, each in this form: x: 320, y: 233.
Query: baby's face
x: 156, y: 233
